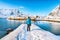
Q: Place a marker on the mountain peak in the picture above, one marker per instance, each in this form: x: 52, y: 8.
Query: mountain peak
x: 55, y: 12
x: 58, y: 7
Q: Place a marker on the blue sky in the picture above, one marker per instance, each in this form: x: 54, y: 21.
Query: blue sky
x: 37, y: 7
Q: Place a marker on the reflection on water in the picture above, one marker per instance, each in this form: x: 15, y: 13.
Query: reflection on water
x: 5, y: 24
x: 53, y: 27
x: 49, y: 26
x: 43, y: 25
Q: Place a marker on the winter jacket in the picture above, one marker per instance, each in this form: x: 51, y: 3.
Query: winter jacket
x: 28, y: 21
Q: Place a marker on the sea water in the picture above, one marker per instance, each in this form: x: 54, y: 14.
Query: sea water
x: 53, y: 27
x: 5, y: 24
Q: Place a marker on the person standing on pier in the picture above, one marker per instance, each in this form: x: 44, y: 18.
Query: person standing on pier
x: 28, y: 22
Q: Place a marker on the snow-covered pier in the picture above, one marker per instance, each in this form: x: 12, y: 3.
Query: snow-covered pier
x: 35, y: 33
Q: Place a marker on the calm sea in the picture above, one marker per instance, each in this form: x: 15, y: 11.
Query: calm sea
x: 5, y: 24
x: 48, y: 26
x: 53, y: 27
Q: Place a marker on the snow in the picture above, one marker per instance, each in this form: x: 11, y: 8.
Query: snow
x: 36, y: 33
x: 55, y: 12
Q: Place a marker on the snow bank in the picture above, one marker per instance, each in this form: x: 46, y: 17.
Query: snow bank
x: 36, y: 33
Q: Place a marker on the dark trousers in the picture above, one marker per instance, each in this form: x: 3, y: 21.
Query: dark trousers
x: 28, y: 27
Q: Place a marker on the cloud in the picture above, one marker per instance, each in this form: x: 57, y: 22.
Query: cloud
x: 6, y: 6
x: 21, y: 7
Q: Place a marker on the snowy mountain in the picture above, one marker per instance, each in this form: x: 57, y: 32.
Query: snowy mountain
x: 35, y: 33
x: 9, y: 12
x: 55, y: 12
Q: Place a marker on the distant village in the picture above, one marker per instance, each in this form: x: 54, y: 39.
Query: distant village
x: 16, y: 14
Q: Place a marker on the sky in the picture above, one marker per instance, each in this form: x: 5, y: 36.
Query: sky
x: 33, y: 7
